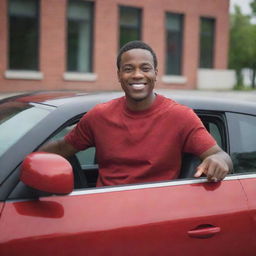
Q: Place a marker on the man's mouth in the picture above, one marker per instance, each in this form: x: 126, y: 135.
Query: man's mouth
x: 137, y: 86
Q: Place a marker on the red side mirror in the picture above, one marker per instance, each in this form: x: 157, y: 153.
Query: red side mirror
x: 47, y: 172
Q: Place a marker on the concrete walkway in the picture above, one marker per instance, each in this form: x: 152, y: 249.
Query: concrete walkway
x: 235, y: 95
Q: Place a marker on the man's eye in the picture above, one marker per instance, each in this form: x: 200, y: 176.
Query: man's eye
x: 127, y: 69
x: 146, y: 69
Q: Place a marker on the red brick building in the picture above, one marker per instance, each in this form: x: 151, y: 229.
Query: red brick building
x: 73, y: 44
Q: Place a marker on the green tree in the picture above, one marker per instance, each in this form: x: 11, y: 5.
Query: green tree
x: 251, y: 61
x: 253, y: 32
x: 238, y: 40
x: 253, y: 7
x: 242, y: 52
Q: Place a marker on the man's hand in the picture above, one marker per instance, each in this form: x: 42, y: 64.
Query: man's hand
x: 216, y: 164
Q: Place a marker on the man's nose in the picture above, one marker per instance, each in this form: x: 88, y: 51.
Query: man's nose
x: 137, y: 73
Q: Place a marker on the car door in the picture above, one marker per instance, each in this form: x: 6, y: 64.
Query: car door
x: 243, y: 152
x: 185, y: 217
x: 189, y: 217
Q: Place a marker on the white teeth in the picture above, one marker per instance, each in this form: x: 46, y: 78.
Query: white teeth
x: 138, y: 86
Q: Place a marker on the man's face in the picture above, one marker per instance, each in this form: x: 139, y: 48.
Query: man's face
x: 137, y: 74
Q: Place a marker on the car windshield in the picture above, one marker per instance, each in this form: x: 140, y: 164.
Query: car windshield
x: 16, y: 119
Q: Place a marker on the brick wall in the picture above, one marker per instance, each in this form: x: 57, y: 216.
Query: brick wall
x: 106, y: 39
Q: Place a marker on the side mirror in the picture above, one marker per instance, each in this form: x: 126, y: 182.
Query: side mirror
x: 47, y: 172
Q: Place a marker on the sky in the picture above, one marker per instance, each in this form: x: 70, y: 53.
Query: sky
x: 244, y: 4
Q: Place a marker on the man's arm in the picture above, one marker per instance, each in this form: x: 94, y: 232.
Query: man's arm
x: 60, y: 147
x: 216, y: 164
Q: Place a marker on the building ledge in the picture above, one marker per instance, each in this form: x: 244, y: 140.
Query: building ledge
x: 23, y: 74
x: 75, y: 76
x: 174, y: 79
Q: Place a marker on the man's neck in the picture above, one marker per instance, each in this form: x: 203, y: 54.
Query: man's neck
x: 140, y: 105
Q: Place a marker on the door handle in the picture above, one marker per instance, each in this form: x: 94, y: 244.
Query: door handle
x: 204, y: 231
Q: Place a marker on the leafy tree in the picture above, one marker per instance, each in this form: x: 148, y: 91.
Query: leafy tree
x: 251, y: 61
x: 253, y: 56
x: 253, y: 7
x: 242, y: 52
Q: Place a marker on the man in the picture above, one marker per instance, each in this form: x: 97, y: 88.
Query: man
x: 141, y: 137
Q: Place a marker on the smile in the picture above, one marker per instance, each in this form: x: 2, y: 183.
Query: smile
x: 138, y: 86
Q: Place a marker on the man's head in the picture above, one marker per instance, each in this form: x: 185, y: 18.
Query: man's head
x: 137, y: 71
x: 135, y: 45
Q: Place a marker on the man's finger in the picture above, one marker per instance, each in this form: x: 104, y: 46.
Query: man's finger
x: 200, y: 170
x: 211, y: 172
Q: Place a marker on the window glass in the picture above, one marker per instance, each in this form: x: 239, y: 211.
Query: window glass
x: 16, y: 119
x: 130, y: 24
x: 215, y: 125
x: 80, y: 19
x: 243, y: 142
x: 207, y: 30
x: 215, y: 132
x: 23, y: 34
x: 174, y: 31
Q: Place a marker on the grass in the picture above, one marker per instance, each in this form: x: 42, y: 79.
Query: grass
x: 239, y: 87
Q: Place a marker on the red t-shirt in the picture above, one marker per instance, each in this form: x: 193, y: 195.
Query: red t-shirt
x: 143, y: 146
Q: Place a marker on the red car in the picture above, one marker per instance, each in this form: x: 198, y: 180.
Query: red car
x: 50, y: 206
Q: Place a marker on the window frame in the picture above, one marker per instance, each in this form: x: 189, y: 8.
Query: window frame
x: 219, y: 119
x: 20, y: 191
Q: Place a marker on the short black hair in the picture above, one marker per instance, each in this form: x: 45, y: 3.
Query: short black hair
x: 135, y: 45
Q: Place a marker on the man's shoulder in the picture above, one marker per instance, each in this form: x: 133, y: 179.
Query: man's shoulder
x: 103, y: 110
x: 109, y: 104
x: 174, y: 109
x: 173, y: 105
x: 112, y: 105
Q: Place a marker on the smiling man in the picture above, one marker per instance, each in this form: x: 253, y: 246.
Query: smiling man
x: 141, y: 137
x: 137, y: 75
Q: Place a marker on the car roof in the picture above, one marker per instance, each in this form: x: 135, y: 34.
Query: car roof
x: 88, y: 100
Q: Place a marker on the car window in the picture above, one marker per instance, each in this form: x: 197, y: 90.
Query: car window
x: 215, y: 132
x: 85, y: 157
x: 242, y: 142
x: 16, y: 119
x: 216, y: 127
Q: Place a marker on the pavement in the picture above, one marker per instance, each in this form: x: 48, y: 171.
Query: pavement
x: 236, y: 95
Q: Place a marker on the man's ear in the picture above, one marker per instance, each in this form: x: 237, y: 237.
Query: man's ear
x: 118, y: 75
x: 156, y: 72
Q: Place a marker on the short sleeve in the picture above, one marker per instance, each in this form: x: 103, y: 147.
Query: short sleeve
x: 81, y: 136
x: 197, y: 139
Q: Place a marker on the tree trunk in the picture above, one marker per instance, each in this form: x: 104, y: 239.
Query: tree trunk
x: 239, y: 78
x: 253, y: 77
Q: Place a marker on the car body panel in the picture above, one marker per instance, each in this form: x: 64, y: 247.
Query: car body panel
x: 249, y: 186
x: 131, y: 222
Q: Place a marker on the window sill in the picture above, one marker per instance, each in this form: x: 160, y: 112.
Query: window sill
x: 22, y: 74
x: 174, y: 79
x: 75, y: 76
